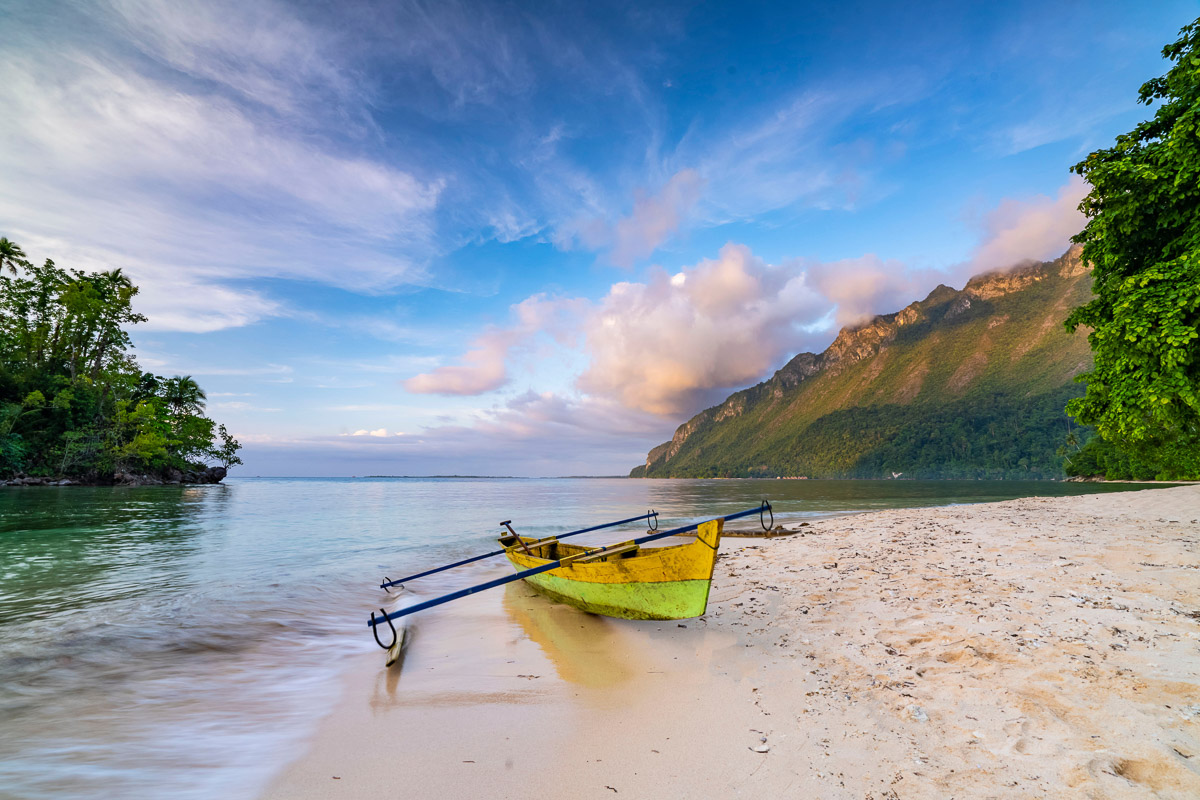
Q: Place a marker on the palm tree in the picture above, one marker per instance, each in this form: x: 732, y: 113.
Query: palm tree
x: 11, y: 256
x: 183, y: 395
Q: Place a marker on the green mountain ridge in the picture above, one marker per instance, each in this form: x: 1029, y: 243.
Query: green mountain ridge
x: 962, y: 384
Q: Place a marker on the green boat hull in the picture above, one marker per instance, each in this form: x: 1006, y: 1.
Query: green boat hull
x: 662, y: 600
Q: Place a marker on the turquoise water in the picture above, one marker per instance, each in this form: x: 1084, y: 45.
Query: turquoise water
x: 183, y: 641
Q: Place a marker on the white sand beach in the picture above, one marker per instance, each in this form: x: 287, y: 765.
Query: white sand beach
x: 1031, y: 648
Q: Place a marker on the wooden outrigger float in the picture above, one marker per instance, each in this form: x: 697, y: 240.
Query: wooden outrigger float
x: 620, y: 580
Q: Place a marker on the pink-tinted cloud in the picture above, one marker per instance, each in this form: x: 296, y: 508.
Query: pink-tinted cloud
x: 1033, y: 229
x: 483, y: 369
x: 667, y: 345
x: 485, y: 366
x: 558, y: 317
x: 1016, y: 231
x: 678, y: 342
x: 653, y: 220
x: 862, y: 287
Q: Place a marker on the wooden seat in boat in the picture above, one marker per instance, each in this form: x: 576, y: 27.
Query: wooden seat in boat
x: 625, y: 551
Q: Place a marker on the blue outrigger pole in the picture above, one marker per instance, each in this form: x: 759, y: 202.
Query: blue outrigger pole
x: 388, y: 582
x: 374, y: 622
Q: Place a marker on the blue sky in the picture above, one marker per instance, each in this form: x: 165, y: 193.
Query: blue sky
x: 531, y: 239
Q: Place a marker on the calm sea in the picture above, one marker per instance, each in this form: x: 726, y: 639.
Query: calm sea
x: 184, y: 641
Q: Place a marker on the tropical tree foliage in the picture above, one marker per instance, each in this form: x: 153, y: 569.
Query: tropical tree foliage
x: 1143, y: 238
x: 73, y: 400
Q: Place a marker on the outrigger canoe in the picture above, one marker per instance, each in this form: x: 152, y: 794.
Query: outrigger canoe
x: 623, y: 580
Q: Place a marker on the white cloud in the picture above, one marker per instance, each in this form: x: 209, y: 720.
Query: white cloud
x: 379, y: 433
x: 168, y: 366
x: 238, y: 405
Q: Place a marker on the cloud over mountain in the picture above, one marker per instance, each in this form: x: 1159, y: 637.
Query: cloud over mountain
x: 665, y: 345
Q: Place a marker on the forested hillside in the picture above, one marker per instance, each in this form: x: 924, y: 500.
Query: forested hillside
x: 963, y: 384
x: 73, y: 400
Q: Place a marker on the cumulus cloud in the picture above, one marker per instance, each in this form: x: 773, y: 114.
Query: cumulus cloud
x: 663, y: 347
x: 681, y: 341
x: 668, y: 345
x: 1032, y: 229
x: 862, y: 287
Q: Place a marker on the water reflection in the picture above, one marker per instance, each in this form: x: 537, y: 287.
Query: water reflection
x: 579, y: 645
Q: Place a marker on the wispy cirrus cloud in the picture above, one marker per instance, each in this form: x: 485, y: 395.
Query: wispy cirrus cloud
x: 211, y: 147
x: 140, y: 138
x: 796, y: 152
x: 181, y: 143
x: 653, y: 220
x: 270, y: 57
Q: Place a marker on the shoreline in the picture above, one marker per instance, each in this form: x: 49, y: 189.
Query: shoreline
x: 1040, y: 646
x: 172, y: 477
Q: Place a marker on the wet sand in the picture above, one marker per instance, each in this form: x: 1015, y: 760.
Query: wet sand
x: 1036, y: 647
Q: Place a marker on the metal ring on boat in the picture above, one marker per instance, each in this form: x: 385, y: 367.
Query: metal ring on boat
x: 767, y: 508
x: 375, y: 630
x: 653, y: 516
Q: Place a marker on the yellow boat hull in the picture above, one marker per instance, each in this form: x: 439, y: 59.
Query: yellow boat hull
x: 656, y: 583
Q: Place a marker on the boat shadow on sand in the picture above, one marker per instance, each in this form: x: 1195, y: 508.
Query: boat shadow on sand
x: 584, y: 649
